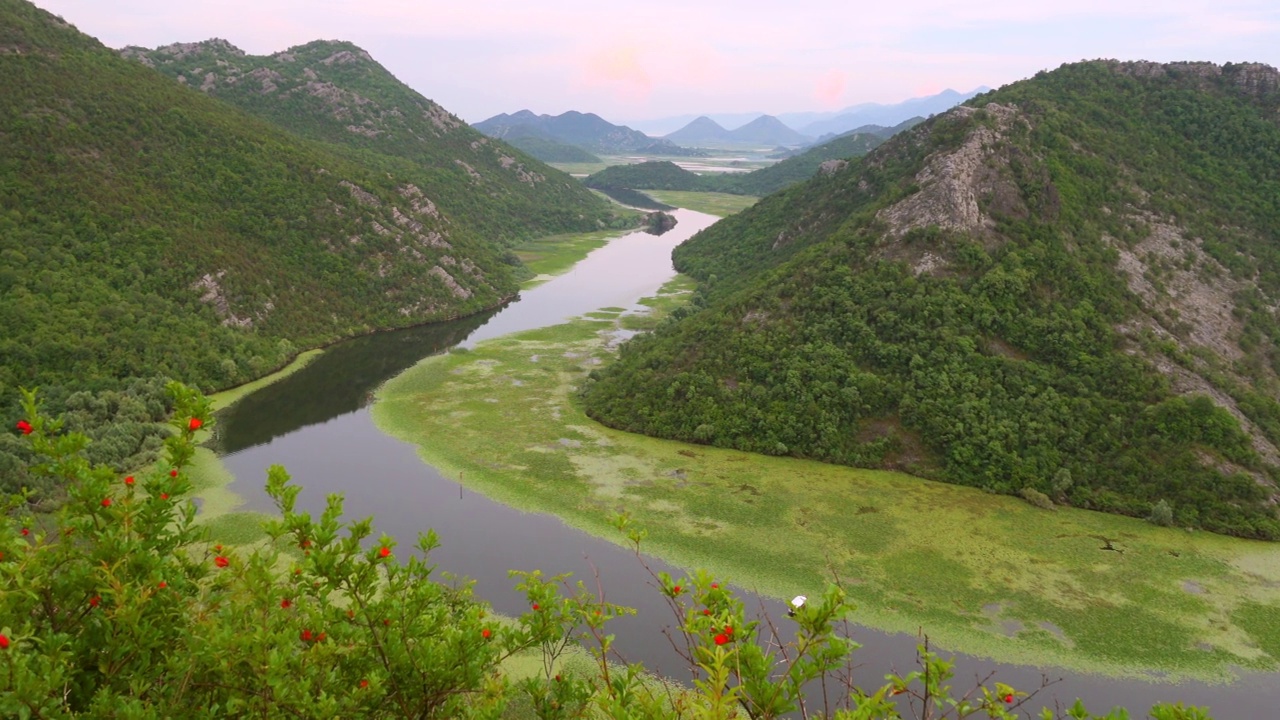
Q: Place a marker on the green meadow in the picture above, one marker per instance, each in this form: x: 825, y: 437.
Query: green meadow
x: 984, y: 574
x: 550, y: 256
x: 711, y: 203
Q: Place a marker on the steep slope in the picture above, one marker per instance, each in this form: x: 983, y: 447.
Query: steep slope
x: 1069, y: 286
x: 767, y: 130
x: 147, y: 229
x: 335, y: 92
x: 699, y: 130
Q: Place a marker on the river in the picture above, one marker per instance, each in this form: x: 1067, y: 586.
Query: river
x: 317, y: 424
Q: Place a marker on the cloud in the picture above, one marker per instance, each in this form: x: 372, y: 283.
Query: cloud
x: 830, y: 88
x: 618, y: 70
x: 480, y: 57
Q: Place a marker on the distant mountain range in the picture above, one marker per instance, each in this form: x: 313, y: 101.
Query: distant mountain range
x: 584, y: 130
x: 810, y: 123
x: 664, y: 175
x: 764, y: 130
x: 818, y: 124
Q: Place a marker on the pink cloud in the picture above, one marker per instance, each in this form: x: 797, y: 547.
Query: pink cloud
x: 830, y: 89
x: 618, y: 70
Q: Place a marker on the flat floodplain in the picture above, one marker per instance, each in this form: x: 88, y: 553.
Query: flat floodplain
x: 979, y: 573
x: 711, y: 203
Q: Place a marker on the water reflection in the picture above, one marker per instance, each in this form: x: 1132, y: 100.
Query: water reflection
x: 315, y: 423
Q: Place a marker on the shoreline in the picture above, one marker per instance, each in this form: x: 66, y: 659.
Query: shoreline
x: 989, y: 576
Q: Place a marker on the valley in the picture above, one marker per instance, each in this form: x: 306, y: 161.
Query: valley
x: 988, y: 382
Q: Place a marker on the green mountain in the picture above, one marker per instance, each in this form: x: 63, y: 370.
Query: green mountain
x: 337, y: 93
x: 550, y: 151
x: 1069, y: 286
x: 148, y: 229
x: 651, y: 175
x: 585, y: 130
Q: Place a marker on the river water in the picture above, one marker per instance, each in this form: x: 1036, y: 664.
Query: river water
x: 317, y: 424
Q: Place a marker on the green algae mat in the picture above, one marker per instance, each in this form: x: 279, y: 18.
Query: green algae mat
x: 980, y: 573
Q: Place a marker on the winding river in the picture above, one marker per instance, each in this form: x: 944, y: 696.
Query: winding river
x: 316, y: 423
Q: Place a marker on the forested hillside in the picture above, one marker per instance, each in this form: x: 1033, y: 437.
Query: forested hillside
x: 550, y: 151
x: 336, y: 92
x: 1068, y: 286
x: 148, y: 230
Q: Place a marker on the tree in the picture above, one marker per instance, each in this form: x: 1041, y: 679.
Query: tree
x: 121, y: 606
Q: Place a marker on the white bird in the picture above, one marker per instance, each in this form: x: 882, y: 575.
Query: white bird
x: 796, y: 603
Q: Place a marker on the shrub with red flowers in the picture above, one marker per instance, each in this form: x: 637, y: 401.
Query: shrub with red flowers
x: 120, y: 606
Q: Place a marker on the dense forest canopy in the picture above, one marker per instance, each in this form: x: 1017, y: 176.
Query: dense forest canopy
x: 337, y: 93
x: 1073, y: 277
x: 150, y: 231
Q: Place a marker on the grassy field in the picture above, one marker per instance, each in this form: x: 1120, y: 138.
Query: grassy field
x: 718, y: 204
x: 556, y: 254
x: 228, y: 397
x: 984, y: 574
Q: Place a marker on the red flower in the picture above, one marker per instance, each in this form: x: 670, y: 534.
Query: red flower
x: 304, y: 544
x: 106, y: 502
x: 728, y: 629
x: 387, y: 621
x: 721, y: 639
x: 385, y: 551
x: 320, y: 637
x: 351, y: 614
x: 163, y: 585
x: 164, y: 496
x: 306, y: 636
x: 93, y: 601
x: 128, y: 480
x: 26, y: 532
x: 675, y: 590
x: 706, y: 611
x: 715, y: 586
x: 535, y: 606
x: 1008, y: 698
x: 173, y: 472
x: 217, y: 548
x: 485, y: 633
x: 364, y: 683
x: 285, y: 603
x: 4, y: 642
x: 25, y: 427
x: 195, y: 423
x: 221, y: 561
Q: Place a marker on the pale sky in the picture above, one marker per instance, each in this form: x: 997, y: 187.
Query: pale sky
x: 639, y: 60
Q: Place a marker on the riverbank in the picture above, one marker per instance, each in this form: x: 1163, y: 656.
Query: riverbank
x: 220, y: 506
x: 982, y: 574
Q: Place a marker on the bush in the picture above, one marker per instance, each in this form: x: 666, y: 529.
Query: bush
x: 1037, y: 498
x: 121, y: 606
x: 1161, y: 514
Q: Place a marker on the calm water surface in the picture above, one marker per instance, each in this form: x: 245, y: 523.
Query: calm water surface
x: 316, y: 423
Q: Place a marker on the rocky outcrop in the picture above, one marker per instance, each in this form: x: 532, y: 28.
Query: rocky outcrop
x: 952, y: 181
